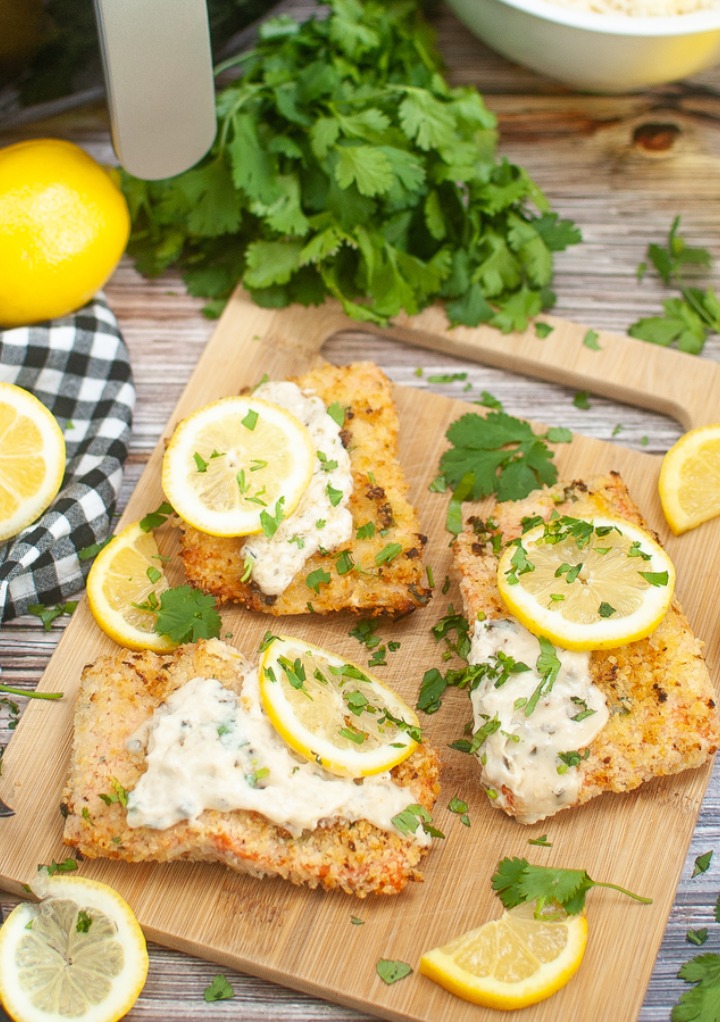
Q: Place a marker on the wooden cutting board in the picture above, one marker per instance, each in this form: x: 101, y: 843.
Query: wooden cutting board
x: 329, y: 944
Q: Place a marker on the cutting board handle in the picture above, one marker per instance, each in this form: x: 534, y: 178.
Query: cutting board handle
x: 684, y: 387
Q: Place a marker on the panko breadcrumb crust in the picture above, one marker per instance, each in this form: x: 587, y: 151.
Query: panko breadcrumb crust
x: 119, y: 691
x: 380, y: 495
x: 662, y: 702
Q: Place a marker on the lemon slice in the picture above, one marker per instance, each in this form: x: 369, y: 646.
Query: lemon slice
x: 32, y: 459
x: 237, y: 466
x: 77, y: 954
x: 125, y: 576
x: 689, y: 483
x: 333, y: 712
x: 510, y: 962
x: 587, y: 583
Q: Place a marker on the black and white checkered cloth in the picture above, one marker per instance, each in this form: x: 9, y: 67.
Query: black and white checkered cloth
x: 79, y: 368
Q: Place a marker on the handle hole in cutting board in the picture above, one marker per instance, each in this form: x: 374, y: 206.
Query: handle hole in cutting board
x: 604, y: 419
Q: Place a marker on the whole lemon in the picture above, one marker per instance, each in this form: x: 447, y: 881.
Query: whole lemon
x: 64, y: 225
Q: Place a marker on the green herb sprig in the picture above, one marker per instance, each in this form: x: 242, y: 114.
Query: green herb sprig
x: 687, y: 321
x: 346, y: 166
x: 516, y: 881
x: 495, y: 454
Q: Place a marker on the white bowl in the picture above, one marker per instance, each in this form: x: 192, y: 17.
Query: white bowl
x: 595, y: 52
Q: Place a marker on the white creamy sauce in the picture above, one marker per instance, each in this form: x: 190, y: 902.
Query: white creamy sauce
x: 523, y: 753
x: 317, y: 523
x: 207, y: 748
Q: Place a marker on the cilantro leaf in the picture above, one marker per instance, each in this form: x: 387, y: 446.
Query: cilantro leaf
x: 517, y: 881
x: 497, y: 453
x: 185, y: 614
x: 702, y: 1003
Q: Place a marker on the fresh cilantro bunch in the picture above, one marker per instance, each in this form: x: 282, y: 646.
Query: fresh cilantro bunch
x: 346, y: 166
x: 688, y: 320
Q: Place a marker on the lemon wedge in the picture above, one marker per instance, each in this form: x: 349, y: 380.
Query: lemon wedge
x: 237, y: 465
x: 32, y: 459
x: 689, y: 483
x: 77, y: 954
x: 587, y: 583
x: 126, y: 575
x: 333, y: 712
x: 510, y: 962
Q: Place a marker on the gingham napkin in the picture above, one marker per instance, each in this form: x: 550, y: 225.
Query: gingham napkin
x: 79, y: 368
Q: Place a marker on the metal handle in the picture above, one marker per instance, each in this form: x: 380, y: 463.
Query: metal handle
x: 159, y: 78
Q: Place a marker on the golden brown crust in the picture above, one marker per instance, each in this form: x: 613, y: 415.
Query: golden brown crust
x: 662, y: 702
x: 119, y: 692
x: 397, y: 587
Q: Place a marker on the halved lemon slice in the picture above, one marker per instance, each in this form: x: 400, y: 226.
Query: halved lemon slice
x: 237, y: 466
x: 126, y: 576
x: 510, y: 962
x: 689, y: 483
x: 333, y: 712
x: 587, y: 583
x: 77, y: 954
x: 32, y: 459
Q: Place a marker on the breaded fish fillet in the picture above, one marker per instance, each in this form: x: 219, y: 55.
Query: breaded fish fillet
x: 118, y: 695
x: 378, y: 571
x: 663, y: 716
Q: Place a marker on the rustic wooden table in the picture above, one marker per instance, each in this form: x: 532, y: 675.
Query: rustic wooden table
x: 621, y: 167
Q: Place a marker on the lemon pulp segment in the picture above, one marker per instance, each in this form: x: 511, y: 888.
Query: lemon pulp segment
x: 77, y: 954
x: 234, y: 462
x: 32, y: 459
x: 510, y: 962
x: 332, y: 711
x: 124, y: 577
x: 587, y: 583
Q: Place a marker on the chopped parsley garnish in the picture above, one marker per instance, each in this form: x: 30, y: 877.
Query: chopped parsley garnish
x: 219, y: 990
x: 460, y: 808
x: 408, y: 820
x: 250, y: 420
x: 388, y: 553
x: 315, y: 579
x: 334, y: 495
x: 541, y: 841
x: 390, y: 970
x: 48, y: 615
x: 271, y: 522
x: 702, y: 863
x: 337, y: 413
x: 154, y: 519
x: 344, y: 562
x: 84, y: 921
